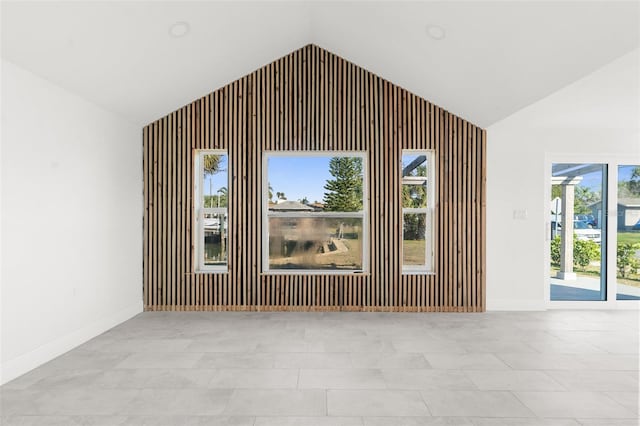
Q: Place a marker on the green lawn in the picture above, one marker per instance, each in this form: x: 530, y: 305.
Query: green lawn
x: 629, y: 237
x: 594, y: 272
x: 414, y: 252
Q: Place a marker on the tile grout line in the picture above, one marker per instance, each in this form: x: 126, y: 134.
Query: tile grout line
x: 523, y: 404
x: 424, y: 401
x: 326, y: 402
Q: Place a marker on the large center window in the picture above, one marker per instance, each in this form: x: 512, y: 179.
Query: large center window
x: 314, y: 208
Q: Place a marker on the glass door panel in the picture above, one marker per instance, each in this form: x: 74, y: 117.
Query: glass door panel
x: 578, y: 231
x: 628, y: 234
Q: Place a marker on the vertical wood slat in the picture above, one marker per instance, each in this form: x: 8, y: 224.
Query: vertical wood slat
x: 314, y: 100
x: 146, y: 254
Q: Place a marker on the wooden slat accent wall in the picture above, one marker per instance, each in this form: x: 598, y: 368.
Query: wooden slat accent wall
x: 314, y: 100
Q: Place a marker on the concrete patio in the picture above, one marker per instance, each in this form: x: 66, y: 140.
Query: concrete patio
x: 587, y: 288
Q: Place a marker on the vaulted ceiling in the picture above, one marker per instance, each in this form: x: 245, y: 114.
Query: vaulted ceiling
x: 495, y: 57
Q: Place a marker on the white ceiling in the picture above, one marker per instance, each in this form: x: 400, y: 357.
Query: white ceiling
x: 496, y: 58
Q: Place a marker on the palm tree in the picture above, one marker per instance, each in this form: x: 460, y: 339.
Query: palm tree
x: 212, y: 164
x: 222, y: 192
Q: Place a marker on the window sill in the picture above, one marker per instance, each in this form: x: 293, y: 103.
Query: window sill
x: 299, y: 272
x: 418, y: 272
x: 212, y: 271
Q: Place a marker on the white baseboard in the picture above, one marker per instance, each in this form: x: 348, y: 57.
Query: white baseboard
x: 515, y: 305
x: 22, y: 364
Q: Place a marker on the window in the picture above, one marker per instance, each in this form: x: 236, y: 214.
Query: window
x: 417, y: 211
x: 314, y: 212
x: 211, y: 210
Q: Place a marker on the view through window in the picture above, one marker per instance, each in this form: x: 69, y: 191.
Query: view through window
x: 212, y: 206
x: 628, y: 233
x: 578, y: 231
x: 315, y: 210
x: 417, y: 210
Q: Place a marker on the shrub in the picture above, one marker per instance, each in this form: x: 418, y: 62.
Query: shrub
x: 555, y: 250
x: 584, y: 251
x: 627, y: 262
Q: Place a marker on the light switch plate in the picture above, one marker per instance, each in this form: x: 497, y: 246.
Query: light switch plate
x: 520, y: 214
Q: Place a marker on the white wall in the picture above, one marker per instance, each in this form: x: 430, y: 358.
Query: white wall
x: 597, y: 117
x: 71, y: 221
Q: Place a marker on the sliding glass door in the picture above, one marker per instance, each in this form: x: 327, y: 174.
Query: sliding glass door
x: 588, y: 263
x: 577, y: 212
x: 628, y: 233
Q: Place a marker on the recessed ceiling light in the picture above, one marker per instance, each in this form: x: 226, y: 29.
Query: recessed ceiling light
x: 435, y: 32
x: 179, y: 29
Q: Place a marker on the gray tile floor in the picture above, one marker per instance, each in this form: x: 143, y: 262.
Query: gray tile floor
x: 562, y: 368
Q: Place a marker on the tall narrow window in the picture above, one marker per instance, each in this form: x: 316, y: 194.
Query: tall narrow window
x: 211, y: 207
x: 314, y: 209
x: 417, y: 211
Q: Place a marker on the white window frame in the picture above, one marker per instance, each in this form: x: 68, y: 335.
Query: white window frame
x: 266, y: 214
x: 427, y: 268
x: 200, y: 211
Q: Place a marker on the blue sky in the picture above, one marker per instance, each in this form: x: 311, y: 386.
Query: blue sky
x: 219, y: 180
x: 299, y: 177
x: 593, y: 180
x: 624, y: 173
